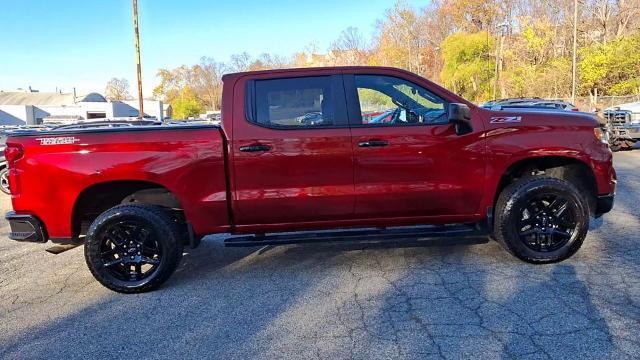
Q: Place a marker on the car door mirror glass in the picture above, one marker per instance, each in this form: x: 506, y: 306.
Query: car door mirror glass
x: 460, y: 116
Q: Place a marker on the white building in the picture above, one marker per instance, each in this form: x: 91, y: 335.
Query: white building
x: 20, y: 108
x: 152, y: 108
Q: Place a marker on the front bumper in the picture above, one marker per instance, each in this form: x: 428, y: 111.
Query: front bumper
x: 604, y: 204
x: 25, y: 227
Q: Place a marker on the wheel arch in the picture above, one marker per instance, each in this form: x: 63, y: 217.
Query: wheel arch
x: 568, y: 168
x: 99, y: 197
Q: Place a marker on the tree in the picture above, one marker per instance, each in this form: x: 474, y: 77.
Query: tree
x: 627, y: 16
x: 612, y: 68
x: 551, y: 79
x: 204, y: 79
x: 240, y: 62
x: 454, y: 42
x: 350, y: 39
x: 350, y: 48
x: 186, y: 105
x: 468, y: 64
x: 117, y: 89
x: 612, y: 19
x: 401, y: 39
x: 474, y: 15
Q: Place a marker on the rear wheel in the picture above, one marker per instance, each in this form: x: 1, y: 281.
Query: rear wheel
x: 133, y: 248
x: 541, y: 219
x: 4, y: 180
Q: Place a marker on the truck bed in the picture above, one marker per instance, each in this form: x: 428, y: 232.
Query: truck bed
x: 59, y: 166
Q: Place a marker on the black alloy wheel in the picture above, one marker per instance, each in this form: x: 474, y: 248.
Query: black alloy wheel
x: 547, y: 222
x: 133, y: 248
x: 541, y: 219
x: 130, y: 251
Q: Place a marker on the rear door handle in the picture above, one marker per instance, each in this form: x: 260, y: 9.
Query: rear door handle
x: 373, y: 143
x: 255, y: 148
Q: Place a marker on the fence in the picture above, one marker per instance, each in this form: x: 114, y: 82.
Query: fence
x: 585, y: 103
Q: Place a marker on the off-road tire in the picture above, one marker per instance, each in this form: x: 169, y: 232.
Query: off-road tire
x: 509, y: 208
x: 167, y: 235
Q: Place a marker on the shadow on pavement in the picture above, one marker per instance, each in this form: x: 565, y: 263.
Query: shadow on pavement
x: 221, y: 303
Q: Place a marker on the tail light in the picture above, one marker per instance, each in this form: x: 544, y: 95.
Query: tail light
x: 602, y: 135
x: 13, y: 153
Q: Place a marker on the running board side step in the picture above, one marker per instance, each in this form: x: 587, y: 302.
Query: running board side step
x: 369, y: 235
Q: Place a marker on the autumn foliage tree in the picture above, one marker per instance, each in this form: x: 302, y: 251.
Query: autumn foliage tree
x: 350, y: 48
x: 186, y: 104
x: 455, y: 43
x: 400, y: 42
x: 612, y: 68
x: 468, y: 64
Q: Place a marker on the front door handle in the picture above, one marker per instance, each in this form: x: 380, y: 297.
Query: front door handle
x: 373, y: 143
x: 255, y: 148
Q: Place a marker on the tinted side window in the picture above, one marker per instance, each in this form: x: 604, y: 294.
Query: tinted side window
x: 294, y: 102
x: 386, y: 100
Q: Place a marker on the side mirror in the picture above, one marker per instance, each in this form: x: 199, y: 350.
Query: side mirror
x: 460, y: 116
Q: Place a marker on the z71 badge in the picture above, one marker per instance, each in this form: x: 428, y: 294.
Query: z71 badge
x: 506, y: 119
x: 58, y: 140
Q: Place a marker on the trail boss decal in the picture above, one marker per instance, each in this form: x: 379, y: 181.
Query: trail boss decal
x: 58, y: 140
x: 506, y: 119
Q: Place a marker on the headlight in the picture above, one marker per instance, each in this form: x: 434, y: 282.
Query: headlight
x: 635, y: 118
x: 601, y: 134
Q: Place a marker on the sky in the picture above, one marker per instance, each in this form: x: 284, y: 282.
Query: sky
x: 49, y: 44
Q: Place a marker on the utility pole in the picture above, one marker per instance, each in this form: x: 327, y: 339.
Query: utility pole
x: 575, y: 52
x: 139, y: 67
x: 495, y: 80
x: 500, y: 61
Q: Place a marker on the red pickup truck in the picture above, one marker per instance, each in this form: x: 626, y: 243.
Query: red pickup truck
x: 295, y: 154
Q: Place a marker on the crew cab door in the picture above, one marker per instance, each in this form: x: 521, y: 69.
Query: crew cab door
x: 291, y: 147
x: 409, y: 161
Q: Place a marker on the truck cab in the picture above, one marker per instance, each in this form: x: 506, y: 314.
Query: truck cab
x: 345, y: 168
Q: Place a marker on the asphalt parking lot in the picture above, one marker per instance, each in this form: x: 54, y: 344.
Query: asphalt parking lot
x: 339, y: 301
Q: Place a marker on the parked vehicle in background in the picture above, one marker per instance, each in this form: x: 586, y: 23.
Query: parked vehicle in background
x: 72, y: 120
x: 533, y: 102
x: 4, y: 171
x: 624, y: 125
x: 312, y: 118
x: 193, y: 122
x: 106, y: 124
x: 136, y: 195
x: 4, y: 132
x: 212, y: 116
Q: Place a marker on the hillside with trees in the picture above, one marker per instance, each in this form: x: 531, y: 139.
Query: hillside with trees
x: 481, y: 49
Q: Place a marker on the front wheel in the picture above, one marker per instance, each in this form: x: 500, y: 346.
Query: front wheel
x: 133, y: 248
x: 541, y: 219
